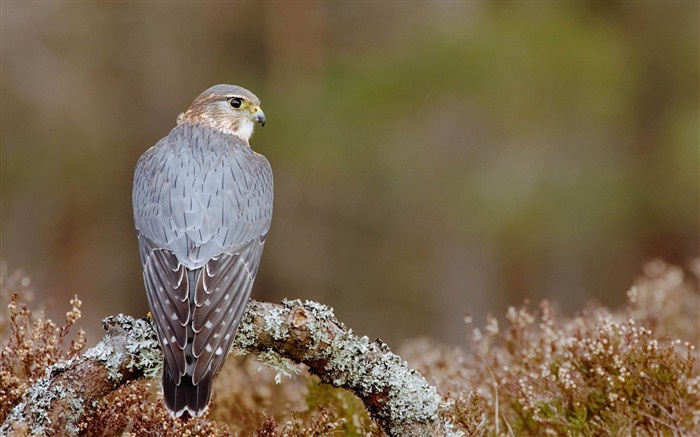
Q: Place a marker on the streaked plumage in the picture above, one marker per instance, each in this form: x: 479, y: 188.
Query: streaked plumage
x: 202, y: 203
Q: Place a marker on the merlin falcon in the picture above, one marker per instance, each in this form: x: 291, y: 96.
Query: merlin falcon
x: 202, y: 202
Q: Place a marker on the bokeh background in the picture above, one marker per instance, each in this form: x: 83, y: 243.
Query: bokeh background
x: 431, y: 159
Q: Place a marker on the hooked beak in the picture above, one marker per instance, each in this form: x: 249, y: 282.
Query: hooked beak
x: 259, y: 116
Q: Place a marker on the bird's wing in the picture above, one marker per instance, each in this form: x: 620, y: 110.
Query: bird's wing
x: 167, y: 291
x: 220, y: 298
x: 202, y: 208
x: 200, y: 323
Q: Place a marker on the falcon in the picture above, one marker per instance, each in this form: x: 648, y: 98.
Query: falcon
x: 202, y: 202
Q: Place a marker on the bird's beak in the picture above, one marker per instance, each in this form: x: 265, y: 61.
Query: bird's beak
x: 259, y: 116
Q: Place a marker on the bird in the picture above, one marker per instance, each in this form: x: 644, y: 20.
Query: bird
x: 202, y: 202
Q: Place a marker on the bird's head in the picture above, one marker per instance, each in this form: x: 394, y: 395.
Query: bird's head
x: 228, y: 108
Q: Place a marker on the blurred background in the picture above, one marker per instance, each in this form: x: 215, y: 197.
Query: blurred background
x: 431, y: 159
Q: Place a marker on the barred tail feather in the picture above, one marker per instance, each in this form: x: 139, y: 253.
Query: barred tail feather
x: 186, y: 396
x: 180, y: 392
x: 196, y: 313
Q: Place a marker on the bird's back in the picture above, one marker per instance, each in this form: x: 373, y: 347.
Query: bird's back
x: 202, y: 204
x: 200, y: 193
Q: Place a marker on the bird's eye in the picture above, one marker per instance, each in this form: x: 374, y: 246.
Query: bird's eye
x: 235, y: 102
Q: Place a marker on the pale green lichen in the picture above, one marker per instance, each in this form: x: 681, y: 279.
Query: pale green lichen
x: 274, y: 324
x: 74, y: 415
x: 140, y: 349
x: 320, y: 311
x: 37, y: 402
x: 367, y: 367
x: 283, y: 366
x: 245, y: 336
x: 112, y: 360
x: 410, y: 397
x: 351, y: 362
x: 143, y: 348
x: 321, y: 315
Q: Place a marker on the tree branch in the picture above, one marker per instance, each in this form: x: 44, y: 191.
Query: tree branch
x: 398, y: 398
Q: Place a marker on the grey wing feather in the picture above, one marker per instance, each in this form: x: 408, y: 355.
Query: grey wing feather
x: 220, y: 298
x: 199, y: 195
x: 166, y: 285
x: 202, y: 208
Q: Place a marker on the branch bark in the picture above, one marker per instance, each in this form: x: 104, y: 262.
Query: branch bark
x: 398, y: 398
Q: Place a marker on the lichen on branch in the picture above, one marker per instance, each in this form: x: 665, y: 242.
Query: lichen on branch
x: 536, y: 371
x: 399, y: 399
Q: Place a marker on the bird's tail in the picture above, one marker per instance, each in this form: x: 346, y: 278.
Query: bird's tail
x: 186, y: 396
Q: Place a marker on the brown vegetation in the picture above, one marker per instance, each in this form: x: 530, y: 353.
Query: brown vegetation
x: 538, y: 372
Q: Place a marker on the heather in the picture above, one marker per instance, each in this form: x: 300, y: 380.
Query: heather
x: 532, y: 371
